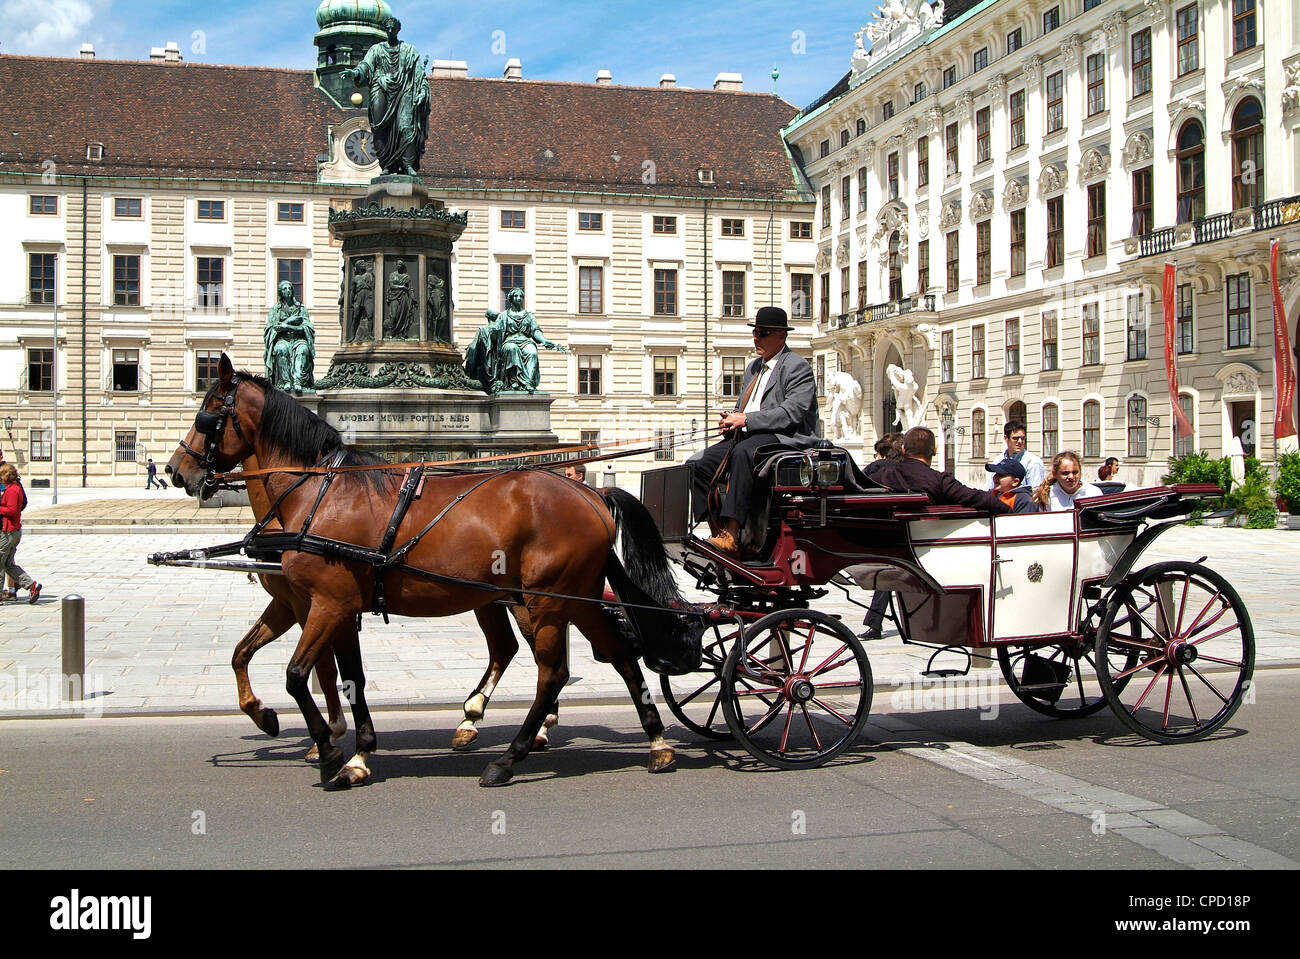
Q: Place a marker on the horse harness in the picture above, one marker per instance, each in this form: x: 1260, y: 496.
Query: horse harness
x: 211, y: 426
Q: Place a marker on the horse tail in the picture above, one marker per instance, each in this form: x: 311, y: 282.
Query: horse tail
x: 644, y: 579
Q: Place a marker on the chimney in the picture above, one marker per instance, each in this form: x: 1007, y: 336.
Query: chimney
x: 729, y: 83
x: 455, y: 69
x: 156, y: 53
x: 87, y: 51
x: 667, y: 82
x: 172, y: 52
x: 604, y: 77
x: 514, y: 69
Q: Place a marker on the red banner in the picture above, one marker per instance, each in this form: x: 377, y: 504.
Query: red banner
x: 1171, y: 369
x: 1283, y: 365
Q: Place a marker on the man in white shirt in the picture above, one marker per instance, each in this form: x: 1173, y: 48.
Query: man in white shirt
x: 777, y: 404
x: 1015, y: 434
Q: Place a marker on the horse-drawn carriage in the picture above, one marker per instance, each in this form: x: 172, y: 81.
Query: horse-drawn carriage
x: 1075, y: 626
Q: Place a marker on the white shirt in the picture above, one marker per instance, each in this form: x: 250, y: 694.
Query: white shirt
x: 760, y: 387
x: 1058, y: 499
x: 1035, y: 471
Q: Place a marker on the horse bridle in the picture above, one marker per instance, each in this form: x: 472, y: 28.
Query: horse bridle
x: 212, y: 426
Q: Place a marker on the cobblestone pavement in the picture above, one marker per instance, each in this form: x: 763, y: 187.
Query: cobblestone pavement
x: 159, y: 640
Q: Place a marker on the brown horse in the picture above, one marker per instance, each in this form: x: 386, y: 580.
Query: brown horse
x: 468, y: 540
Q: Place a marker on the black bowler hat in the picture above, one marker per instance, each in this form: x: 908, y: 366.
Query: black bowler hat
x: 771, y: 318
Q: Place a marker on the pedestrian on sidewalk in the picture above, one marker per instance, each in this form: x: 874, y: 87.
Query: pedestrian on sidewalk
x: 12, y: 503
x: 10, y: 588
x: 153, y: 477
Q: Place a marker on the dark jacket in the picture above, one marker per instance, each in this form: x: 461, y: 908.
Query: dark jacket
x: 789, y: 404
x: 913, y: 476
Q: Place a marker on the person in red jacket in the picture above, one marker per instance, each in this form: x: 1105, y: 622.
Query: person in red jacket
x: 12, y: 503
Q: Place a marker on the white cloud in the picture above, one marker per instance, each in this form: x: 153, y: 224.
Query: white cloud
x: 48, y: 27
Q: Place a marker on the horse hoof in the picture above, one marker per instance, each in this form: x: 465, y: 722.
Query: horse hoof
x: 270, y: 723
x: 350, y: 776
x: 330, y: 764
x: 662, y: 760
x: 540, y: 744
x: 464, y: 738
x: 495, y: 775
x: 313, y: 755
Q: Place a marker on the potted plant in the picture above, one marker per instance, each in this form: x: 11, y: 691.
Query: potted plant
x: 1288, y: 486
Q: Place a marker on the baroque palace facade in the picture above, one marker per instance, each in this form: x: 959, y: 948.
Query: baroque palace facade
x: 151, y: 207
x: 1000, y: 184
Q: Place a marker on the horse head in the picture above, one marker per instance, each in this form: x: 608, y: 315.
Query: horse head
x: 210, y: 447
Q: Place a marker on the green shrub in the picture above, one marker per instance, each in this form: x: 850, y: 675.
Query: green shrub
x: 1194, y: 468
x: 1263, y: 518
x: 1288, y: 481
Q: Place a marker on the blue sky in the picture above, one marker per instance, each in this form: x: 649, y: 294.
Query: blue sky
x: 556, y: 40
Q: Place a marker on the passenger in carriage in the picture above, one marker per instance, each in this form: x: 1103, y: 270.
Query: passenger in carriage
x: 1017, y: 435
x: 888, y: 448
x: 1064, y: 485
x: 1009, y: 486
x: 777, y: 405
x: 913, y: 473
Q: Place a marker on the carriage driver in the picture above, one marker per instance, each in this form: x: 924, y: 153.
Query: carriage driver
x: 778, y: 404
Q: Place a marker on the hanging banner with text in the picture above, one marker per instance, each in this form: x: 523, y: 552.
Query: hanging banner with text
x: 1171, y: 368
x: 1283, y: 363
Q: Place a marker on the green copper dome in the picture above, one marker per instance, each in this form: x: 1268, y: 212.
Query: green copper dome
x: 336, y: 17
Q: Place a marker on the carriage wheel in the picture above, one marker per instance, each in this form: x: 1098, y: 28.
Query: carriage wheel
x: 1195, y: 652
x: 1060, y: 681
x: 696, y: 698
x: 797, y: 688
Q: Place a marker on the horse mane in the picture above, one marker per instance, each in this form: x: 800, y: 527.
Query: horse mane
x: 305, y: 438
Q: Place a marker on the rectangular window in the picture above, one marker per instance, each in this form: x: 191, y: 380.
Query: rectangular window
x: 923, y: 267
x: 512, y: 277
x: 821, y: 375
x: 1184, y: 445
x: 43, y: 205
x: 1055, y: 101
x: 887, y: 110
x: 589, y: 438
x: 862, y: 189
x: 40, y: 278
x: 591, y: 222
x: 945, y: 357
x: 591, y: 289
x: 918, y: 92
x: 1097, y: 219
x: 846, y: 194
x: 978, y: 437
x: 1096, y: 83
x: 1092, y: 429
x: 977, y: 352
x: 799, y: 229
x: 1184, y: 331
x: 733, y: 374
x: 126, y: 371
x: 1238, y: 310
x: 826, y: 206
x: 1056, y: 231
x: 892, y: 175
x: 983, y: 130
x: 129, y: 207
x: 665, y: 292
x: 40, y: 370
x: 844, y: 289
x: 1144, y: 209
x: 1018, y: 242
x: 826, y: 148
x: 663, y: 445
x: 1137, y: 328
x: 1091, y: 334
x: 589, y: 371
x: 1012, y: 336
x: 1243, y: 25
x: 41, y: 445
x: 1013, y: 41
x: 126, y: 280
x: 949, y: 76
x: 825, y: 298
x: 862, y: 284
x: 954, y: 266
x: 212, y: 209
x: 1140, y: 47
x: 733, y: 227
x: 1051, y: 19
x: 950, y: 149
x: 733, y: 293
x: 801, y: 295
x: 923, y: 161
x: 1051, y: 444
x: 980, y: 60
x: 983, y: 252
x: 513, y: 220
x: 665, y: 376
x: 289, y: 212
x: 124, y: 446
x: 1137, y: 426
x: 291, y: 270
x: 1189, y: 45
x: 205, y: 369
x: 1049, y: 341
x: 667, y: 226
x: 1089, y: 4
x: 1017, y: 111
x: 211, y: 272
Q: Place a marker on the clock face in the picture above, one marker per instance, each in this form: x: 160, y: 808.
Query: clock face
x: 359, y: 148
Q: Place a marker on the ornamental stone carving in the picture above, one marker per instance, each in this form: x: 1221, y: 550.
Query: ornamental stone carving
x: 949, y: 216
x: 1159, y: 10
x: 1033, y: 71
x: 1188, y: 102
x: 909, y: 129
x: 964, y: 105
x: 1015, y: 194
x: 1052, y: 179
x: 869, y: 155
x: 1240, y: 383
x: 842, y: 253
x: 1243, y: 83
x: 933, y: 119
x: 997, y: 86
x: 981, y: 205
x: 1137, y: 150
x: 1070, y: 49
x: 892, y: 217
x: 1114, y: 25
x: 1093, y: 165
x: 923, y: 225
x: 1291, y: 92
x: 894, y: 142
x: 823, y: 259
x: 894, y: 24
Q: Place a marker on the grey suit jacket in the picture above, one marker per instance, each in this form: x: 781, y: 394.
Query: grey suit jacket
x: 789, y: 404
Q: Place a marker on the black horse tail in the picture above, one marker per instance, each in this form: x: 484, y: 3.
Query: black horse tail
x: 644, y: 579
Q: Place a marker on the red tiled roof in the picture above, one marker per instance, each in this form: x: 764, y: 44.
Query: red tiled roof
x: 224, y: 122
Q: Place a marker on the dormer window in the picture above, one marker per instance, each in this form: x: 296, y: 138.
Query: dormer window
x: 94, y: 152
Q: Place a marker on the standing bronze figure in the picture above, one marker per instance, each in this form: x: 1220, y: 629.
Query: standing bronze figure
x: 399, y: 101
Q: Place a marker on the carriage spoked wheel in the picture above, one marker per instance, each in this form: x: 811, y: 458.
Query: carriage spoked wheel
x: 797, y: 688
x: 1062, y: 680
x: 696, y: 698
x: 1195, y: 649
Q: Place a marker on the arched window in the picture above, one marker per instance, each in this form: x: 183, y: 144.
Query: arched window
x: 895, y: 270
x: 1191, y: 171
x: 1092, y: 429
x: 1137, y: 426
x: 1185, y: 444
x: 1247, y: 154
x: 977, y: 435
x: 1051, y: 444
x: 1018, y: 411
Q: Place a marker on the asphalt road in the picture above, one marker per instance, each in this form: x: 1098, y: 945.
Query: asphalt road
x: 933, y: 788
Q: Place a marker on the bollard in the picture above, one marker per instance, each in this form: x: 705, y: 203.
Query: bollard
x: 74, y: 647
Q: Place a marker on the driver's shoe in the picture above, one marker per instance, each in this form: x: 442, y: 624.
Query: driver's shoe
x: 724, y: 542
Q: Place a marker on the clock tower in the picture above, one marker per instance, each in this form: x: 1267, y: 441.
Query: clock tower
x: 348, y: 28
